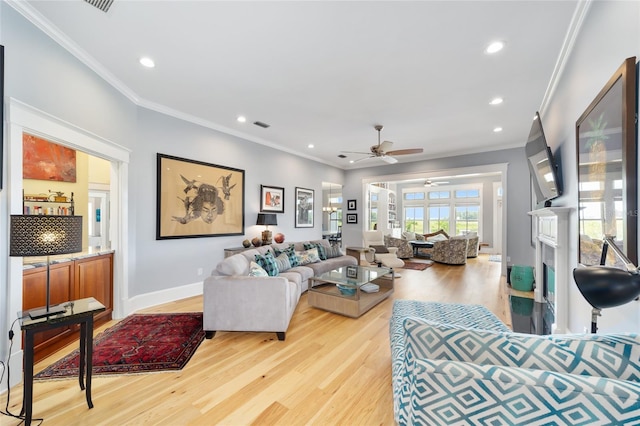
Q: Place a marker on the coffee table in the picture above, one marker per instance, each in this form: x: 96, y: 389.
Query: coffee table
x: 417, y: 245
x: 324, y: 294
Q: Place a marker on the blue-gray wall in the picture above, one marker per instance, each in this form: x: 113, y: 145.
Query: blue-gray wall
x: 609, y: 34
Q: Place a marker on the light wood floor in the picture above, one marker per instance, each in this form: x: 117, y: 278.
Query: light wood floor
x: 330, y: 370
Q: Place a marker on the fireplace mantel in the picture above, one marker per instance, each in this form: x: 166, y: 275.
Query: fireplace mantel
x: 551, y: 229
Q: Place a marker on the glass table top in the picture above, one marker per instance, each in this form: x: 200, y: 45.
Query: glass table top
x: 353, y: 275
x: 72, y: 309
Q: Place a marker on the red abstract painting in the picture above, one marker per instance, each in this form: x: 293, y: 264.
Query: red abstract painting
x: 46, y: 160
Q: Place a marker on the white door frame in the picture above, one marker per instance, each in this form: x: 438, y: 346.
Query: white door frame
x: 24, y: 118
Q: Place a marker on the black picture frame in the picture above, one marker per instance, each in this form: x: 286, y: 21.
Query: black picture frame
x: 304, y: 208
x: 352, y: 217
x: 352, y: 272
x: 606, y: 154
x: 271, y: 199
x: 352, y: 205
x: 197, y: 199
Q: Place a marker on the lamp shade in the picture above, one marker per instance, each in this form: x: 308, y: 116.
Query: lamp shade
x: 605, y: 286
x: 267, y: 219
x: 39, y: 235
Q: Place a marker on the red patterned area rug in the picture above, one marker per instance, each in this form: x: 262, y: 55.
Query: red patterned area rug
x: 417, y: 266
x: 140, y: 343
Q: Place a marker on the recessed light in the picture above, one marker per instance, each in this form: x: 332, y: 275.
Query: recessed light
x: 310, y: 145
x: 496, y: 101
x: 494, y: 47
x: 497, y: 129
x: 241, y: 119
x: 145, y: 61
x: 352, y: 161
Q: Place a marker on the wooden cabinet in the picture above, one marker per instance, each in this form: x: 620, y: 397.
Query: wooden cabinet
x: 76, y: 279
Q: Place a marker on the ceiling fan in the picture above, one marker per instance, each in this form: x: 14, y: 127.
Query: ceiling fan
x: 429, y: 183
x: 381, y: 150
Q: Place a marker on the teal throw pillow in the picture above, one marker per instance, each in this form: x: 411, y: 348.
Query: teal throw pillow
x: 291, y: 253
x: 268, y: 263
x: 322, y: 253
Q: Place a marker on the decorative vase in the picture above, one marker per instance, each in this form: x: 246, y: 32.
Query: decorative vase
x: 279, y: 238
x: 246, y: 243
x: 257, y: 242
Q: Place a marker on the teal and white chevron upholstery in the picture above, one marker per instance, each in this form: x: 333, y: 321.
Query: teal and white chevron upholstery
x: 450, y: 392
x: 458, y: 364
x: 616, y: 356
x: 473, y: 316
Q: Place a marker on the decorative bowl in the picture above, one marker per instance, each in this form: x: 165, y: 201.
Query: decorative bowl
x: 346, y: 290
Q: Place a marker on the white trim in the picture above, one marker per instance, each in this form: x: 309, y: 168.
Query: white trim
x: 155, y: 298
x: 24, y: 118
x: 565, y: 52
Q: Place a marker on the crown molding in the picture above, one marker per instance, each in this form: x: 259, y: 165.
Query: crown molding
x: 568, y: 44
x: 36, y: 18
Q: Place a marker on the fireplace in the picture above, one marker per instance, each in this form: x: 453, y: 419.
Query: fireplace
x: 549, y: 276
x: 551, y: 235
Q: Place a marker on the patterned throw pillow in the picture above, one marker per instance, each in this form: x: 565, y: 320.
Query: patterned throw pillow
x: 322, y: 253
x: 308, y: 256
x: 283, y: 262
x: 419, y: 237
x: 256, y: 270
x: 291, y: 253
x: 333, y: 251
x: 268, y: 263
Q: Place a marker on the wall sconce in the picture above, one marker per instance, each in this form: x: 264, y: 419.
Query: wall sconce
x: 267, y: 219
x: 39, y: 235
x: 606, y: 286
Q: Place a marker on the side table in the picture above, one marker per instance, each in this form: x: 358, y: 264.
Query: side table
x: 235, y: 250
x: 359, y: 254
x: 76, y: 312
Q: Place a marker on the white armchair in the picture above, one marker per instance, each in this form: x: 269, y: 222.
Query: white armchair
x: 380, y: 253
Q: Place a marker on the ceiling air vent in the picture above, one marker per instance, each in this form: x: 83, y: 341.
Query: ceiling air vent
x: 103, y: 5
x: 261, y: 124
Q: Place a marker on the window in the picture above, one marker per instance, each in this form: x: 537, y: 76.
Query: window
x: 411, y: 196
x: 414, y: 219
x: 467, y: 193
x: 439, y: 195
x: 467, y: 219
x: 439, y: 217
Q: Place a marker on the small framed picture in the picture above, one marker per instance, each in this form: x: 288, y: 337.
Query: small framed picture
x: 271, y: 199
x: 352, y: 272
x: 352, y: 218
x: 351, y: 205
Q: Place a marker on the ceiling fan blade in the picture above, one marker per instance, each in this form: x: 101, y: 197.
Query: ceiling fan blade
x: 405, y: 151
x: 384, y: 146
x: 356, y: 152
x: 364, y: 158
x: 388, y: 159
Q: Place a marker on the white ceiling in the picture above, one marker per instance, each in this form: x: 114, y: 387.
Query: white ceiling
x: 326, y: 72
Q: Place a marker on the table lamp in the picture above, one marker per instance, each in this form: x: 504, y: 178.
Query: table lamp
x: 605, y: 286
x: 266, y: 219
x: 40, y: 235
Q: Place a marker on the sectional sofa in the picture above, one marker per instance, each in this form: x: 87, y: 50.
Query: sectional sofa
x: 237, y: 298
x: 458, y: 364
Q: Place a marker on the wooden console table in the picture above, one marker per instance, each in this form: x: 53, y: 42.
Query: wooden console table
x: 77, y: 312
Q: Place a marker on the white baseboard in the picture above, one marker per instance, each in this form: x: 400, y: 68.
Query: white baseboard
x: 155, y: 298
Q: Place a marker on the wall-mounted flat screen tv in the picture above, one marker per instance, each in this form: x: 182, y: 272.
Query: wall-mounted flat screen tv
x: 543, y: 168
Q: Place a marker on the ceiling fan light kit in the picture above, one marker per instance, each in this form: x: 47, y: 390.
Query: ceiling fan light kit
x: 382, y: 150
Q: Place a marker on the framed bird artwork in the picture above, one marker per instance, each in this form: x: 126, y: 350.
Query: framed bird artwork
x: 197, y: 199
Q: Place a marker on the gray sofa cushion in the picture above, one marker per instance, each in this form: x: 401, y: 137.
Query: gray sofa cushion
x: 234, y: 265
x: 330, y: 264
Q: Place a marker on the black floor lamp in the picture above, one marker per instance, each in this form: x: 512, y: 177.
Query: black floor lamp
x: 37, y: 235
x: 606, y: 286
